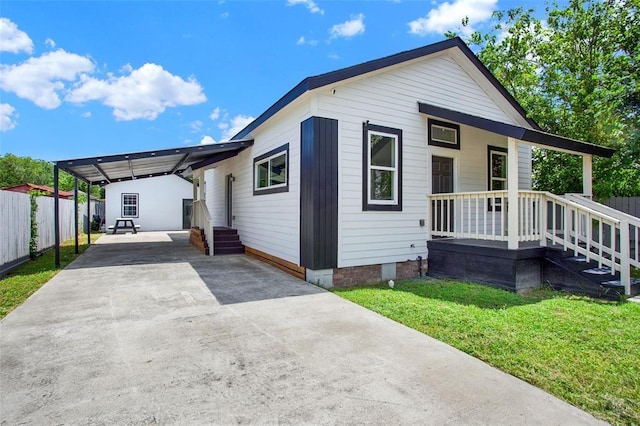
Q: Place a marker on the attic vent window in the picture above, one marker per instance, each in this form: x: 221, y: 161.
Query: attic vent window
x: 443, y: 134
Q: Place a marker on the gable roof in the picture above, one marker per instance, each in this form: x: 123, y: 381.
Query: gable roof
x: 333, y: 77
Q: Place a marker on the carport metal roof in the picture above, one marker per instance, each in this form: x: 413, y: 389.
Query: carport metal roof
x: 137, y: 165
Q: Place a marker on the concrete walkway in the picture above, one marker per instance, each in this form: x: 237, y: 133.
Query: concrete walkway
x: 142, y: 329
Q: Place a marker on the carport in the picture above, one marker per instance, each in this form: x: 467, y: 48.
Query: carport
x: 105, y: 169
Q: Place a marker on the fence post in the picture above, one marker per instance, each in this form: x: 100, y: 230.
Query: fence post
x: 56, y: 215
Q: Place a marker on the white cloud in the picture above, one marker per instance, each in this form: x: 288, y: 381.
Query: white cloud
x: 144, y: 93
x: 224, y: 15
x: 206, y: 140
x: 126, y: 69
x: 12, y: 39
x: 448, y: 16
x: 195, y: 126
x: 49, y: 42
x: 310, y: 4
x: 333, y: 56
x: 231, y: 127
x: 7, y: 117
x: 41, y: 79
x: 215, y: 114
x: 86, y: 114
x: 349, y: 28
x: 302, y: 41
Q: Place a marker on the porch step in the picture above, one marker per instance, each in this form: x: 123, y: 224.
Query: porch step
x: 565, y: 271
x: 199, y: 240
x: 226, y: 241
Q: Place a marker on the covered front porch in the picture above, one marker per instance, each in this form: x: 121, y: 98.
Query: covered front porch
x: 515, y: 223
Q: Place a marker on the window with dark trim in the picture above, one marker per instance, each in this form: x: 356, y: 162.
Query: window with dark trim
x: 496, y: 173
x: 443, y: 134
x: 130, y: 205
x: 271, y: 171
x: 382, y: 168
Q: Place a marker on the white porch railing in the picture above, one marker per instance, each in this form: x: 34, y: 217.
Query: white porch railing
x: 585, y: 227
x: 202, y: 219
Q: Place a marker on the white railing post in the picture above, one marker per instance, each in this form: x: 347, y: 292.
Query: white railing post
x: 543, y: 222
x: 512, y: 193
x: 625, y: 254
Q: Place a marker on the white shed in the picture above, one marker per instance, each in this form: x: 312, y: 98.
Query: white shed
x: 162, y: 203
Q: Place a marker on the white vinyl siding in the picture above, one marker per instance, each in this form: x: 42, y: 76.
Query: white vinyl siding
x: 269, y: 222
x: 390, y: 99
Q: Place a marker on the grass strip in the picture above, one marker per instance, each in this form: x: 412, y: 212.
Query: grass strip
x: 582, y: 350
x: 26, y: 279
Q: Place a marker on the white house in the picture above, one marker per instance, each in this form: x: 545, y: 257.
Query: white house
x: 381, y: 170
x: 162, y: 203
x: 351, y: 173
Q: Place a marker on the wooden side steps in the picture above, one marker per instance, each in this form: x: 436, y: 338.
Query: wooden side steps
x: 198, y: 239
x: 226, y: 241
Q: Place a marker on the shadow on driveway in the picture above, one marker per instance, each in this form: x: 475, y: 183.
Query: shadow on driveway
x: 231, y: 279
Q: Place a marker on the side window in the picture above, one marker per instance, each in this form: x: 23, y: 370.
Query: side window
x: 129, y: 205
x: 271, y: 171
x: 382, y: 168
x: 443, y: 134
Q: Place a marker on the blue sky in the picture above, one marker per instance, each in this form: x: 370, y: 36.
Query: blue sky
x: 88, y: 78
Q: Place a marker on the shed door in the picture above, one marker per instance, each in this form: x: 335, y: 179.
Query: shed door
x: 442, y: 182
x: 187, y: 209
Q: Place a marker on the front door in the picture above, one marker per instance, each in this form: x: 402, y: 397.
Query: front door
x: 442, y: 182
x: 229, y: 200
x: 187, y: 210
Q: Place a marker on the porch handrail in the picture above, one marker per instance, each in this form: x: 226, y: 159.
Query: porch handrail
x: 583, y: 226
x: 610, y: 211
x: 202, y: 219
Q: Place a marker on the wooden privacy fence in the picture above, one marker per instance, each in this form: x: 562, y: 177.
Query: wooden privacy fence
x: 15, y: 225
x: 629, y: 205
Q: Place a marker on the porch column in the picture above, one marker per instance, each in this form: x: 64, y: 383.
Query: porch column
x: 587, y: 175
x: 512, y: 193
x: 194, y: 211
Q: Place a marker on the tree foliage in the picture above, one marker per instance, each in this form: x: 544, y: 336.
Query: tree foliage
x: 16, y: 170
x: 577, y: 74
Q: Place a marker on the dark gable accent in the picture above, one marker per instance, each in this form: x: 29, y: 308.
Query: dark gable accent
x: 443, y: 124
x: 520, y: 133
x: 319, y: 193
x: 280, y: 149
x: 311, y: 83
x: 365, y: 168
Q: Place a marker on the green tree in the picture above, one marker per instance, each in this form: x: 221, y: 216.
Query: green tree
x: 577, y: 74
x: 16, y: 170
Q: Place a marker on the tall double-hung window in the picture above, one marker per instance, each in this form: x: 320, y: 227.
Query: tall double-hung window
x: 382, y: 171
x: 497, y: 174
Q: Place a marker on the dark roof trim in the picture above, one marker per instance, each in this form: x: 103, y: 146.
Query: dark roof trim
x: 321, y: 80
x: 528, y: 135
x: 216, y: 147
x: 212, y: 160
x: 106, y: 177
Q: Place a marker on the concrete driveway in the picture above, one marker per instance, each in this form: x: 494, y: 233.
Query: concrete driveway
x: 143, y: 329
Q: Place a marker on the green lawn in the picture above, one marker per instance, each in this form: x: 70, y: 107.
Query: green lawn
x: 23, y: 281
x: 582, y: 350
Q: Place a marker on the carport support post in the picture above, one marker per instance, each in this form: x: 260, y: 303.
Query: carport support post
x: 56, y: 216
x: 75, y: 211
x: 89, y: 212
